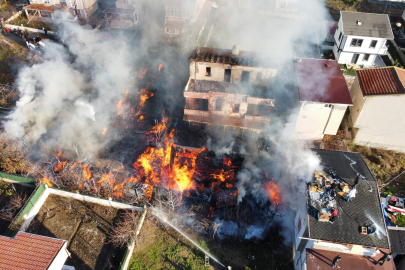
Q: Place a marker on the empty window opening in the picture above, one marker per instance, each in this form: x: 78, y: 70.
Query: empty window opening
x: 227, y: 75
x: 207, y: 71
x: 218, y: 104
x: 259, y: 76
x: 356, y: 42
x: 373, y: 43
x: 198, y: 104
x: 236, y: 108
x: 245, y: 76
x: 366, y: 57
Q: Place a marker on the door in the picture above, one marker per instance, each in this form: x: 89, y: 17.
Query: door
x: 355, y: 58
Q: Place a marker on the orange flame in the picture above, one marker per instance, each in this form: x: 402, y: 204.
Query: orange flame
x: 59, y: 166
x: 104, y: 131
x: 160, y: 67
x: 46, y: 181
x: 145, y: 97
x: 273, y: 191
x: 119, y: 104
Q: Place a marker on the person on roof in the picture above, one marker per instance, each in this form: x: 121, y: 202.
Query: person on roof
x: 351, y: 194
x: 334, y: 214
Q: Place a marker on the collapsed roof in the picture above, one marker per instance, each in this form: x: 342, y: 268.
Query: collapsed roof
x: 364, y: 210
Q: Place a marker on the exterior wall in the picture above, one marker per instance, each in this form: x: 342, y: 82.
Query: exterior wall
x: 60, y: 258
x: 344, y: 51
x: 358, y: 101
x: 381, y: 122
x: 317, y: 119
x: 198, y: 72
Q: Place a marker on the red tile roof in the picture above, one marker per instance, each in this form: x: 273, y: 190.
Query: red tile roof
x: 321, y: 80
x: 381, y: 81
x: 28, y: 251
x: 318, y: 259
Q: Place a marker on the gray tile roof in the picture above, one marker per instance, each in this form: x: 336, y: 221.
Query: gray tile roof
x: 397, y: 239
x: 365, y: 209
x: 372, y: 25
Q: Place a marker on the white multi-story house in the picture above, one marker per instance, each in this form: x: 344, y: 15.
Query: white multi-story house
x: 43, y: 10
x: 324, y: 98
x: 361, y: 37
x: 357, y: 234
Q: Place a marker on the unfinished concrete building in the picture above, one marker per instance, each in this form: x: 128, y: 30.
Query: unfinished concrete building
x: 229, y: 88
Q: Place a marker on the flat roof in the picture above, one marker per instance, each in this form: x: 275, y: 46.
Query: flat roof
x: 397, y: 239
x: 364, y: 210
x: 372, y: 25
x: 318, y: 259
x: 28, y: 251
x: 321, y: 80
x: 381, y: 81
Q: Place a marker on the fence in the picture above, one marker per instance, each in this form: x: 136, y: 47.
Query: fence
x: 32, y: 200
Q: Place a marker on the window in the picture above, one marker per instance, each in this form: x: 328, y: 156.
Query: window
x: 259, y: 76
x: 236, y: 108
x: 366, y: 57
x: 207, y: 71
x: 167, y: 12
x: 245, y: 76
x: 198, y: 104
x: 356, y: 42
x: 218, y: 104
x: 373, y: 43
x: 227, y: 75
x: 340, y: 36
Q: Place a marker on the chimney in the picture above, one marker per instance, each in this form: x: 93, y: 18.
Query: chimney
x: 358, y: 22
x: 235, y: 50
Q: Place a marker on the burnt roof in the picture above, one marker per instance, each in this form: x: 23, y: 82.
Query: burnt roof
x: 224, y: 56
x: 397, y: 239
x: 318, y: 259
x: 372, y: 25
x: 321, y: 80
x: 203, y: 86
x: 381, y: 81
x: 365, y: 209
x: 41, y: 7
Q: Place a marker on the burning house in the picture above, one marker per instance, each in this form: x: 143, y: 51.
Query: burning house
x: 229, y: 88
x: 355, y: 231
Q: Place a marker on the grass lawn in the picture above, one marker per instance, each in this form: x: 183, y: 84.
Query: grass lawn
x: 161, y: 248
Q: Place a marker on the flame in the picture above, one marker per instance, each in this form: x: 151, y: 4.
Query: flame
x: 143, y: 73
x: 46, y: 181
x: 60, y: 165
x: 273, y: 191
x: 145, y: 97
x: 86, y: 173
x: 104, y: 131
x: 141, y: 117
x: 119, y: 104
x: 160, y: 67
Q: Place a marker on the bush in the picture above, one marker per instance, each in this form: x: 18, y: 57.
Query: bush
x: 401, y: 220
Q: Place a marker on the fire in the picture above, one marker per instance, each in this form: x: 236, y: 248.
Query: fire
x: 143, y: 73
x: 60, y: 165
x: 46, y: 181
x: 141, y: 117
x: 86, y: 173
x: 120, y: 102
x: 160, y: 67
x: 104, y: 131
x: 273, y: 191
x: 145, y: 97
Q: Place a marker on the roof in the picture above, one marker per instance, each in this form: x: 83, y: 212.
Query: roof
x: 381, y: 81
x: 224, y: 56
x: 203, y: 86
x: 123, y: 11
x: 372, y: 25
x: 365, y: 209
x: 397, y: 239
x: 321, y: 80
x: 41, y: 7
x: 318, y: 259
x: 28, y: 251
